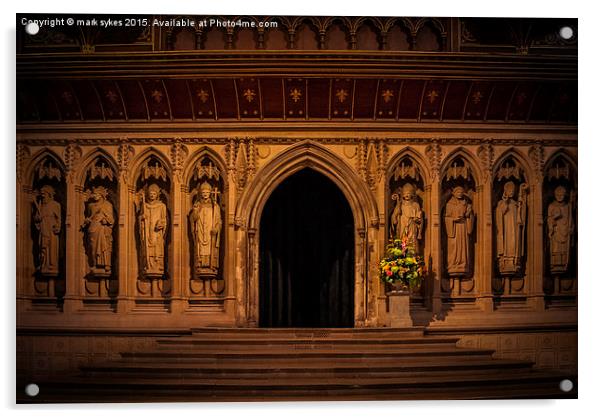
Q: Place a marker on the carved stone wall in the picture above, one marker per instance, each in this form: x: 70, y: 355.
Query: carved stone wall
x: 548, y: 350
x: 238, y: 174
x: 42, y: 356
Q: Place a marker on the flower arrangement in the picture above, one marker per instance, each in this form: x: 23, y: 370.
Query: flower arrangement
x: 402, y: 265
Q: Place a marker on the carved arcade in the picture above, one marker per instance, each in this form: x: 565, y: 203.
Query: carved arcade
x: 409, y: 199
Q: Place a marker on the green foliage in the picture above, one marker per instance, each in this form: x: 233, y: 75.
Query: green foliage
x: 402, y: 264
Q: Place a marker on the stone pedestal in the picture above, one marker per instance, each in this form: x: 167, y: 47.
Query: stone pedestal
x: 399, y: 309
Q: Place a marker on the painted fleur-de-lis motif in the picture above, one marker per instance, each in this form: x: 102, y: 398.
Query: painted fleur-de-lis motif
x: 295, y: 94
x: 521, y: 97
x: 249, y: 95
x: 111, y: 95
x: 476, y: 97
x: 432, y: 95
x: 387, y: 95
x: 342, y: 95
x: 67, y: 97
x: 157, y: 96
x: 202, y: 95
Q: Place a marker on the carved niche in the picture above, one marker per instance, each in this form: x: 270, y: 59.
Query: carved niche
x: 405, y: 207
x: 560, y: 216
x: 206, y: 228
x: 152, y: 208
x: 406, y: 204
x: 458, y: 188
x: 98, y: 227
x: 510, y: 213
x: 49, y: 202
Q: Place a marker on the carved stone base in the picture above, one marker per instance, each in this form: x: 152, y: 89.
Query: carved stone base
x: 153, y: 287
x: 206, y: 273
x: 98, y: 272
x: 399, y: 309
x: 509, y: 266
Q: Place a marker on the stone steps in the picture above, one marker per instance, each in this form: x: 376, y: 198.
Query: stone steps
x: 262, y: 342
x: 272, y: 372
x: 307, y: 353
x: 528, y: 385
x: 312, y: 333
x: 304, y: 364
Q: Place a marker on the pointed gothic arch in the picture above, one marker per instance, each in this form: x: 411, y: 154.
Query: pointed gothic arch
x: 38, y: 158
x: 139, y: 160
x: 88, y: 160
x: 470, y: 159
x: 519, y: 158
x: 306, y: 154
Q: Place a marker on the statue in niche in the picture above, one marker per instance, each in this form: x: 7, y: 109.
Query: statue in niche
x: 510, y: 219
x: 406, y: 220
x: 152, y: 217
x: 47, y: 219
x: 459, y: 223
x: 99, y: 231
x: 560, y: 230
x: 206, y: 224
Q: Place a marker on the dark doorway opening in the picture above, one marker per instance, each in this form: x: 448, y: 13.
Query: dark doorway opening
x: 306, y: 270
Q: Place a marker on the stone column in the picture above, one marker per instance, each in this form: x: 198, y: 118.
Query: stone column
x: 375, y: 244
x: 433, y: 256
x: 25, y: 279
x: 485, y: 229
x: 253, y: 278
x: 484, y: 250
x: 536, y: 256
x: 230, y: 267
x: 241, y: 272
x: 73, y: 283
x: 126, y: 274
x: 361, y: 269
x: 21, y: 247
x: 127, y: 258
x: 177, y: 248
x: 22, y: 156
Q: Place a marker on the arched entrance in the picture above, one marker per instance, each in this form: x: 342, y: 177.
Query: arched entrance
x: 306, y: 249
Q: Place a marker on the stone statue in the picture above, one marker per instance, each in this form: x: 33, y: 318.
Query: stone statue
x: 560, y: 230
x: 406, y: 220
x: 99, y: 231
x: 152, y: 217
x: 47, y: 219
x: 459, y: 222
x: 510, y: 219
x: 206, y: 224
